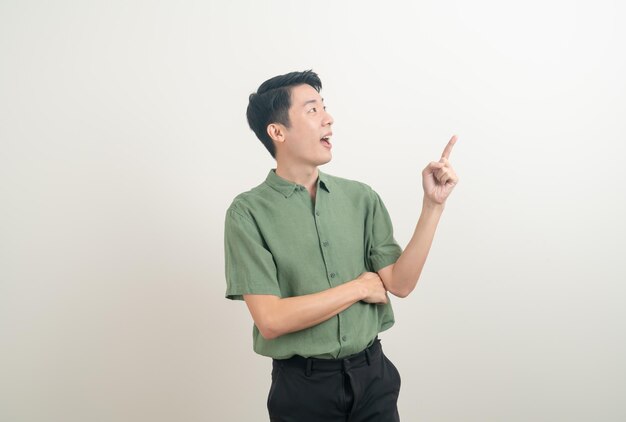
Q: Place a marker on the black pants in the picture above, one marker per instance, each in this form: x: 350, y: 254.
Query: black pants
x: 361, y: 387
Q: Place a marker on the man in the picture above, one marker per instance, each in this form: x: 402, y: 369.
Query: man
x: 313, y: 256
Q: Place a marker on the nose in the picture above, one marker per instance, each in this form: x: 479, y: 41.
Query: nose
x: 328, y: 120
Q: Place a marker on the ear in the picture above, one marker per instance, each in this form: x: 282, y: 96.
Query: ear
x: 276, y: 131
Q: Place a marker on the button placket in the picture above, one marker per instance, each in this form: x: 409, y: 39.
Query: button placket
x: 332, y: 273
x: 321, y: 233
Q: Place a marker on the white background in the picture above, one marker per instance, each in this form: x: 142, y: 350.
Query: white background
x: 123, y: 141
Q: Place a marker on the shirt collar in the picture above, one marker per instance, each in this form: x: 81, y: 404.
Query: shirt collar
x: 287, y: 188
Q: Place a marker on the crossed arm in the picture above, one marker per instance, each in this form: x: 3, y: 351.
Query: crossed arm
x: 276, y: 316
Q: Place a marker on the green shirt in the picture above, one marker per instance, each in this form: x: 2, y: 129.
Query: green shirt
x: 278, y: 241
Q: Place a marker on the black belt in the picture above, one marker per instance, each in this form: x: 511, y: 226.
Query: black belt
x: 356, y: 360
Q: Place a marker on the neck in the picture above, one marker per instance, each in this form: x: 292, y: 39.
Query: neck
x: 305, y: 176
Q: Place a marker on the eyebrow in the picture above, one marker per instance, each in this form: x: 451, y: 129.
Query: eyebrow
x: 311, y: 101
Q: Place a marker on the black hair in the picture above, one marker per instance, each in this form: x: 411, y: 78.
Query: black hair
x: 270, y: 104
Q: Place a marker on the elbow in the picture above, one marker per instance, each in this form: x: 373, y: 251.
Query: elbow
x: 403, y: 290
x: 266, y: 314
x: 396, y: 283
x: 267, y: 334
x: 268, y: 330
x: 401, y: 293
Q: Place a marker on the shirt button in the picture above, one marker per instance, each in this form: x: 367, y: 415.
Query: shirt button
x: 317, y: 213
x: 332, y: 275
x: 325, y: 243
x: 344, y: 338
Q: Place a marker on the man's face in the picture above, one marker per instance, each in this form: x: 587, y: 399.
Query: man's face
x: 307, y: 140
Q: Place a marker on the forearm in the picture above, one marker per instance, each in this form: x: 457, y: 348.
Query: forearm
x: 407, y: 269
x: 275, y: 316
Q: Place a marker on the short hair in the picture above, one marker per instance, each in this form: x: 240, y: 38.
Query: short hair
x: 271, y: 103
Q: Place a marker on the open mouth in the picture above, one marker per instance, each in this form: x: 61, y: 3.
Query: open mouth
x: 326, y: 141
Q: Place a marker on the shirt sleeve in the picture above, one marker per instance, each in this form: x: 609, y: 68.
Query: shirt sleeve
x: 250, y: 267
x: 382, y: 248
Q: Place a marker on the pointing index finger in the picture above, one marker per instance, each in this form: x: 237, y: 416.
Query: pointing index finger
x: 448, y: 149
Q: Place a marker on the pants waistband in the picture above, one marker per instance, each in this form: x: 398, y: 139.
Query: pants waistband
x: 356, y: 360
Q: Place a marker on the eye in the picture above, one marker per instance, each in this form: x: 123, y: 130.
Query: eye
x: 314, y: 109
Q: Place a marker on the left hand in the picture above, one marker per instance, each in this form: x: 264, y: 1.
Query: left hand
x: 439, y: 178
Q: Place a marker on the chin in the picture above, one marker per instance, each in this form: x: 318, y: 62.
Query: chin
x: 315, y: 160
x: 326, y: 160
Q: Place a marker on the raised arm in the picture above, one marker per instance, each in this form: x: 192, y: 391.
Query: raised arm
x: 438, y: 180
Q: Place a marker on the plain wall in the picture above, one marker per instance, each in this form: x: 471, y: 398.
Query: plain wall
x: 123, y: 141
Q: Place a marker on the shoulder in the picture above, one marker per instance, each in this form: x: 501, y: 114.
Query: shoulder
x: 244, y: 204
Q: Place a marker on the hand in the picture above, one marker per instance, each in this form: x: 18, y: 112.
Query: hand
x: 373, y: 288
x: 439, y: 178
